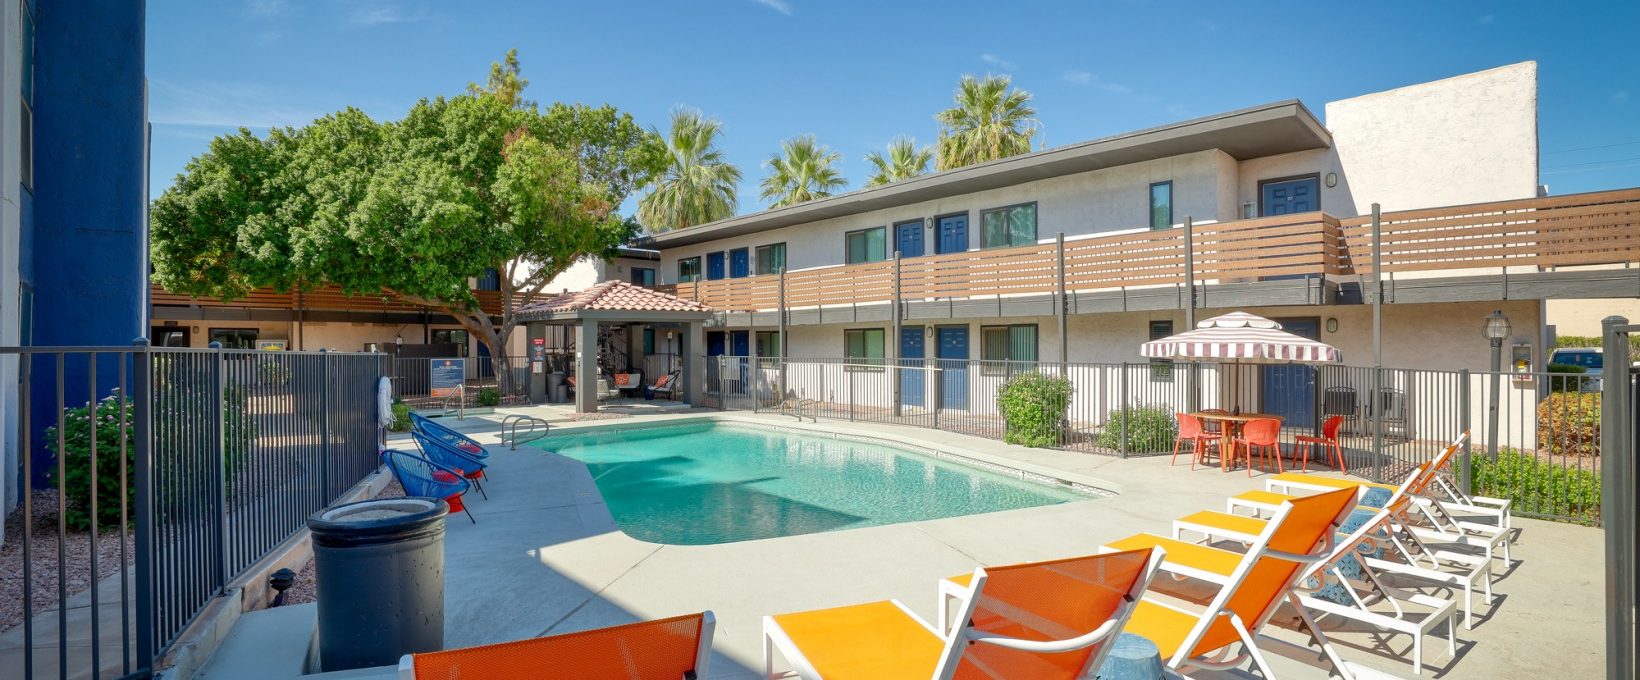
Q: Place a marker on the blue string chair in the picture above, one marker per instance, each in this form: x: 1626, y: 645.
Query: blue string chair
x: 443, y: 453
x: 466, y: 444
x: 422, y: 477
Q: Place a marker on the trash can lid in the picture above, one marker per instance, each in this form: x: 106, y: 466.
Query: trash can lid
x: 379, y: 520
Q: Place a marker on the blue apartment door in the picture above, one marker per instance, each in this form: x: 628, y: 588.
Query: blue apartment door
x: 1289, y: 197
x: 908, y: 239
x: 911, y: 356
x: 953, y: 237
x: 740, y: 264
x: 1289, y: 389
x: 714, y: 266
x: 742, y: 343
x: 953, y: 352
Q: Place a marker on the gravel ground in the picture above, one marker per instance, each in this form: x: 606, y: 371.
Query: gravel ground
x: 306, y: 589
x: 76, y: 550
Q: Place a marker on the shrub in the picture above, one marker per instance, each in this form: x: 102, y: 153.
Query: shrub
x: 401, y: 417
x: 1034, y: 406
x: 1568, y: 424
x: 1568, y: 383
x: 1537, y: 486
x: 1150, y: 429
x: 74, y: 460
x: 273, y: 373
x: 489, y: 396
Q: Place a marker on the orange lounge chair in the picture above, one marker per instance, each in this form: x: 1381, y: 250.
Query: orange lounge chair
x: 1046, y: 621
x: 677, y: 648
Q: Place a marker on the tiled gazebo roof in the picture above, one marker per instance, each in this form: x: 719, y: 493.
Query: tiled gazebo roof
x: 610, y: 296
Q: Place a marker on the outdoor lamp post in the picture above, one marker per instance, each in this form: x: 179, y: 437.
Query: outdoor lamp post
x: 1496, y: 330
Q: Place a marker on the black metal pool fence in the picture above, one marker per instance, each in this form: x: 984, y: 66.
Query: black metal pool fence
x: 1535, y: 436
x: 172, y: 472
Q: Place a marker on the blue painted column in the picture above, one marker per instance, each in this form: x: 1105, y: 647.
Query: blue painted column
x: 90, y: 231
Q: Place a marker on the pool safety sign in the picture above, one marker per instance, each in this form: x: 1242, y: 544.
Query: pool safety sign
x: 448, y: 375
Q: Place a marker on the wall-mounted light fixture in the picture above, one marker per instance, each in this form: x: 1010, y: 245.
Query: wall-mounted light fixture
x: 1332, y: 325
x: 1249, y: 210
x: 928, y: 331
x: 1332, y: 179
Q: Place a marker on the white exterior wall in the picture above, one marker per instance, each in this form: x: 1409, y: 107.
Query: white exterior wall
x: 10, y: 235
x: 1085, y: 203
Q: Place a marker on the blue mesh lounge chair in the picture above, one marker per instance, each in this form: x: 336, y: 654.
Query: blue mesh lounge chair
x: 466, y: 444
x: 446, y: 454
x: 422, y: 477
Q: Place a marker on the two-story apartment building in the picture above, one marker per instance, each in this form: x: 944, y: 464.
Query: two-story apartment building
x: 1078, y: 253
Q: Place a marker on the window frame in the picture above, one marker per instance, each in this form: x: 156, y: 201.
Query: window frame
x: 849, y: 360
x: 255, y: 334
x: 774, y: 341
x: 691, y: 278
x: 1161, y: 370
x: 653, y: 277
x: 757, y: 259
x: 991, y: 366
x: 850, y: 234
x: 1036, y: 225
x: 1150, y: 202
x: 648, y: 341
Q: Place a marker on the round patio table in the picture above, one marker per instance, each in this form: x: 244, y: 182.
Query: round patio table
x: 1231, y: 424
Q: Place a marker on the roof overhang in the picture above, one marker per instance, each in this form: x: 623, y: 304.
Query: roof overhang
x: 1267, y: 130
x: 611, y: 316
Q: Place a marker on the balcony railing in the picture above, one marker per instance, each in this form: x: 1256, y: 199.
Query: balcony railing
x: 326, y: 298
x: 1581, y: 229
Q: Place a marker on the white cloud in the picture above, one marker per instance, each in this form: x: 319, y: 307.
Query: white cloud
x: 995, y: 60
x: 1116, y: 88
x: 1486, y: 18
x: 1079, y: 77
x: 224, y: 105
x: 1620, y: 96
x: 1209, y: 25
x: 780, y: 6
x: 379, y: 13
x: 266, y: 8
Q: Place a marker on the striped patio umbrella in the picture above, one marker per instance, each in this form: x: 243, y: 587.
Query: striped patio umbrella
x: 1241, y: 338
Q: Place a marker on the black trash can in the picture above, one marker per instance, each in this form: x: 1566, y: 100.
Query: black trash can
x: 380, y: 571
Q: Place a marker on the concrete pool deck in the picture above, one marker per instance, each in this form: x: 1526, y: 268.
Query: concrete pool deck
x: 545, y: 557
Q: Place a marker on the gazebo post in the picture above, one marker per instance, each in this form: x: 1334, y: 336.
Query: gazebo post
x: 586, y: 366
x: 694, y: 363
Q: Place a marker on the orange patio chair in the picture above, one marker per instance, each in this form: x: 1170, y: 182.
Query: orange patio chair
x: 677, y: 648
x: 1260, y: 437
x: 1191, y: 430
x: 1045, y: 621
x: 1328, y: 441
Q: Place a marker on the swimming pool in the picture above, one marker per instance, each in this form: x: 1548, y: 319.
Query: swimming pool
x: 701, y: 483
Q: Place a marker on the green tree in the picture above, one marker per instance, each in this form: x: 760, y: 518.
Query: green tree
x: 904, y: 161
x: 801, y: 171
x: 504, y: 82
x: 988, y: 121
x: 409, y: 209
x: 697, y: 185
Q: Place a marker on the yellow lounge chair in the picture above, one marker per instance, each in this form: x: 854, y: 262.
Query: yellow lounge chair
x: 1344, y: 584
x: 677, y: 648
x: 1046, y: 620
x: 1300, y: 533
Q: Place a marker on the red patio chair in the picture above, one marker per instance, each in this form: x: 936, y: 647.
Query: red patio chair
x: 1262, y: 435
x: 1190, y: 430
x: 1328, y: 441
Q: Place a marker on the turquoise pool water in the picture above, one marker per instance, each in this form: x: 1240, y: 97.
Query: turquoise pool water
x: 706, y: 483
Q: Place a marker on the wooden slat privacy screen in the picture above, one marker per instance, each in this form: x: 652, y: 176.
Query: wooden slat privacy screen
x: 1580, y: 229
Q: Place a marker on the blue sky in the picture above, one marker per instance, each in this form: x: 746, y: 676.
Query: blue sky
x: 857, y: 74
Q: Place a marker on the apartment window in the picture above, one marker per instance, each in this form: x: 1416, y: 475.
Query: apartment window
x: 1000, y: 344
x: 235, y: 338
x: 688, y: 269
x: 1161, y: 205
x: 648, y: 341
x: 643, y: 276
x: 867, y: 245
x: 1161, y: 370
x: 25, y: 146
x: 771, y: 259
x: 768, y: 343
x: 451, y: 336
x: 864, y: 346
x: 1014, y: 225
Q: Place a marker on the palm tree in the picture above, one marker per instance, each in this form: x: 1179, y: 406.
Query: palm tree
x: 801, y: 171
x: 697, y: 186
x: 904, y: 161
x: 989, y: 121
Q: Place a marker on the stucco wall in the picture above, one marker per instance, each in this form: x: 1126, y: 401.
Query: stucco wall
x: 1465, y: 139
x: 1102, y: 200
x: 1582, y: 317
